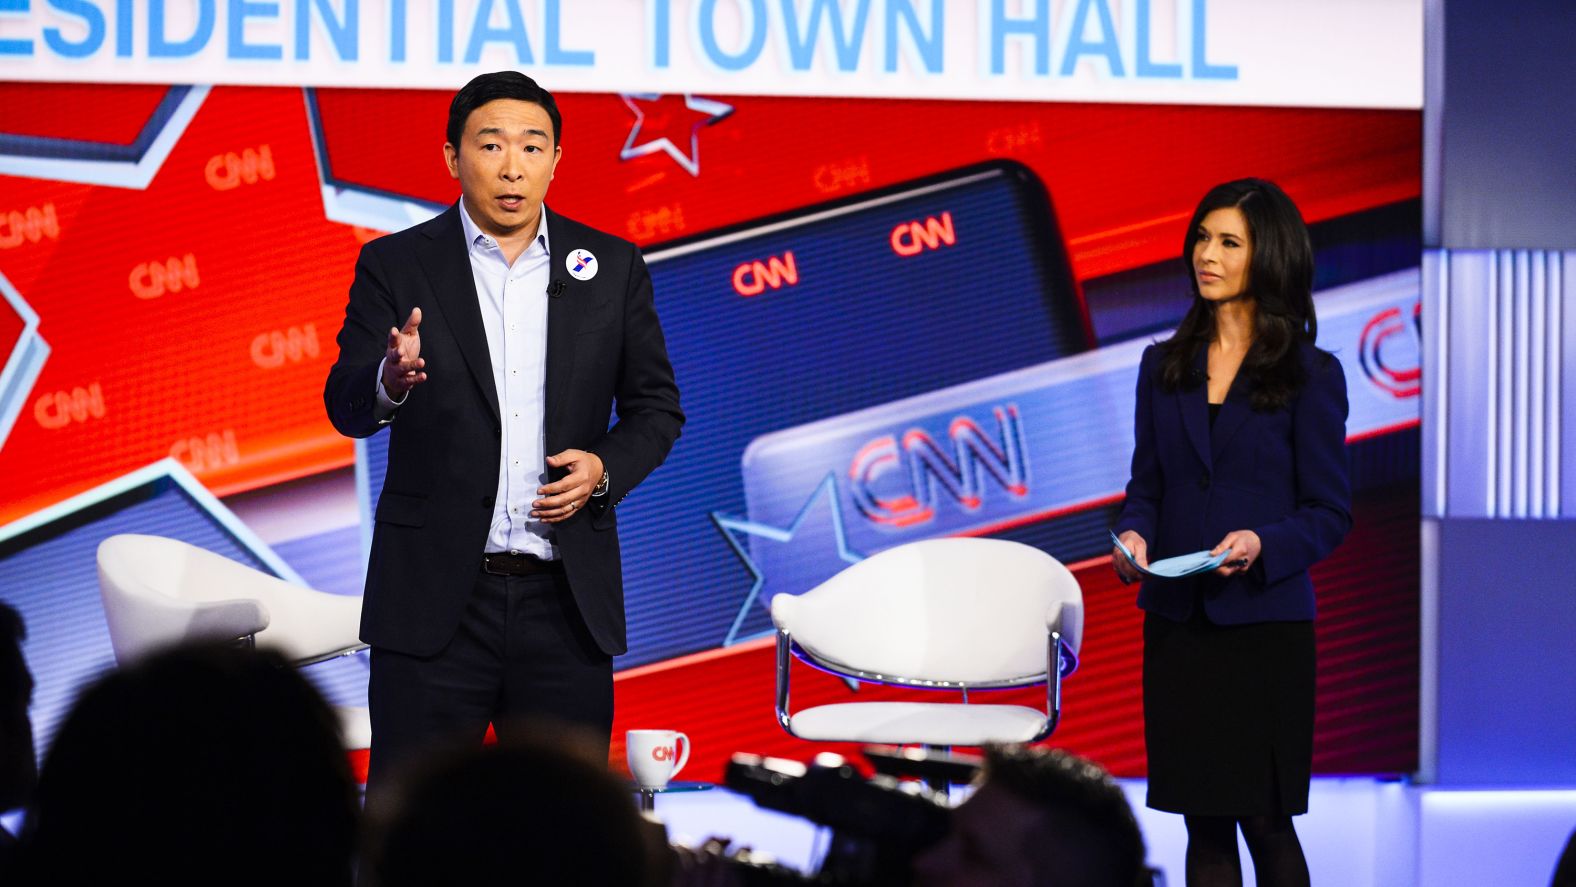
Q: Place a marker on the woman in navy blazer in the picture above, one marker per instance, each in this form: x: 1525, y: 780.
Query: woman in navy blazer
x: 1240, y: 447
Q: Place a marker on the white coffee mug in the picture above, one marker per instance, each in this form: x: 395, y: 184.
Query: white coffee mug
x: 653, y: 756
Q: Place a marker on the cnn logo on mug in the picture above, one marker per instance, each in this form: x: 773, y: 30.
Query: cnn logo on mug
x: 655, y: 756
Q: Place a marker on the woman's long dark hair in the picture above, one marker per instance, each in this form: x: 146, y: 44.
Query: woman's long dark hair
x: 1280, y: 282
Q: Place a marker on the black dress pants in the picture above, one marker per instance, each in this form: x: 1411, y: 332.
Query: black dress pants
x: 521, y: 650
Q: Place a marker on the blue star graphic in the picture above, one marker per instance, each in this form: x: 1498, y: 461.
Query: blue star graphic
x: 816, y: 549
x: 707, y: 112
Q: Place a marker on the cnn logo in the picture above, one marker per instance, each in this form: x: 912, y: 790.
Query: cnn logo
x: 231, y: 170
x: 28, y: 226
x: 913, y: 238
x: 61, y: 408
x: 753, y: 278
x: 151, y: 280
x: 207, y: 452
x: 292, y: 345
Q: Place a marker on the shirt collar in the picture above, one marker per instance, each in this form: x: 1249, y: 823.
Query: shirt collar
x: 474, y: 234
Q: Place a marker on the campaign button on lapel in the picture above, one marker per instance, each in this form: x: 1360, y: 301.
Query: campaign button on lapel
x: 581, y: 264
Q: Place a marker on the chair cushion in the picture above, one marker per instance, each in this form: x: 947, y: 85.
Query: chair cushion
x: 926, y: 723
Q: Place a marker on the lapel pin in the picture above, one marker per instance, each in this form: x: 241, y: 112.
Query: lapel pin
x: 581, y: 264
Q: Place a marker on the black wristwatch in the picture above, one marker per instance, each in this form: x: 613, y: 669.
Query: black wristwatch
x: 601, y: 486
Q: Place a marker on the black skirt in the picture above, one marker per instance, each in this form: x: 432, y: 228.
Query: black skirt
x: 1228, y: 716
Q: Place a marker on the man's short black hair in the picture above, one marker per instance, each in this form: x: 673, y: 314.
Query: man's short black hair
x: 499, y: 85
x: 1084, y: 794
x: 538, y: 801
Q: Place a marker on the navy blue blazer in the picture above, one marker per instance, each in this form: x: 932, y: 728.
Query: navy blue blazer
x: 604, y: 349
x: 1282, y: 474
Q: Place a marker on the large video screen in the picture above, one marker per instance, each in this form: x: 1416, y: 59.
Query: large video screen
x: 889, y: 319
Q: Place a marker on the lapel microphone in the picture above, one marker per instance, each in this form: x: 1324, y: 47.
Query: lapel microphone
x: 556, y: 288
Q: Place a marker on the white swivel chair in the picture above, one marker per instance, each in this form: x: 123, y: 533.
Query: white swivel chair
x: 160, y: 591
x: 943, y: 614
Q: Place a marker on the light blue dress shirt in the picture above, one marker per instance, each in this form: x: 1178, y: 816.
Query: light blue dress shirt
x: 513, y: 301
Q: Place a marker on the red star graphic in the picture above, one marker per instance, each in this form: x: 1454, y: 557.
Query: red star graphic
x: 671, y: 124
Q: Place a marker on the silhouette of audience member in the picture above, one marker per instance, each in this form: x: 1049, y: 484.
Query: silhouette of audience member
x: 1039, y: 817
x: 18, y: 764
x: 197, y: 765
x: 533, y: 809
x: 1565, y: 869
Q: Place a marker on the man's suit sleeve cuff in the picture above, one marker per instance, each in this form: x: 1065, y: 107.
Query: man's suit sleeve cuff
x: 386, y: 407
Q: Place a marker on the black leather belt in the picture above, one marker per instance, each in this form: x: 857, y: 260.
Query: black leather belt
x: 512, y: 563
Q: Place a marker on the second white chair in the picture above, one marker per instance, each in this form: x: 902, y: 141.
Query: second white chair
x: 159, y: 591
x: 957, y: 614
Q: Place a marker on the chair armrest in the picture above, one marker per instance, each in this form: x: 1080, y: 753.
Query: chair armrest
x: 1066, y: 618
x: 784, y: 662
x: 310, y: 626
x: 1055, y: 650
x: 227, y: 620
x: 149, y: 623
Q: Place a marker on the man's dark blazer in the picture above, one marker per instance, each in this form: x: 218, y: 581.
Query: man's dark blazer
x: 604, y: 346
x: 1281, y: 474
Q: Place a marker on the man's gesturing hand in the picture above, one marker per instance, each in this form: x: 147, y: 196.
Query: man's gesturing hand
x: 403, y: 368
x: 562, y: 498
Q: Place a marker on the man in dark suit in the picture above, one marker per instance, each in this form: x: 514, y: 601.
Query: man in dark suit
x: 496, y: 341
